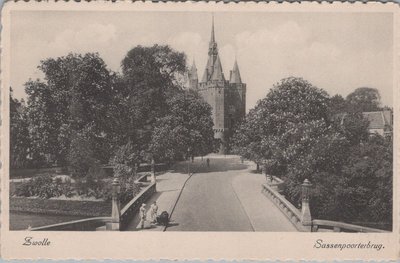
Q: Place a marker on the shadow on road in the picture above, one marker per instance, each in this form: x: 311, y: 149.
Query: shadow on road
x: 220, y: 164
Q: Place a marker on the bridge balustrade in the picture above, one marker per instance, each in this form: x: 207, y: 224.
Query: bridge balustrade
x: 301, y: 219
x: 100, y: 223
x: 289, y: 210
x: 334, y: 226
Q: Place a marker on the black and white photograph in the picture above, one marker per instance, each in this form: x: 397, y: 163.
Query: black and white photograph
x: 202, y: 121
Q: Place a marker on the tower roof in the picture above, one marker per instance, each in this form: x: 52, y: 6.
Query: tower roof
x: 217, y: 74
x: 213, y: 70
x: 235, y: 75
x: 193, y: 71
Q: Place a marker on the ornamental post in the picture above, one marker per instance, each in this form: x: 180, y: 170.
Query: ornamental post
x: 115, y: 210
x: 153, y: 170
x: 306, y: 219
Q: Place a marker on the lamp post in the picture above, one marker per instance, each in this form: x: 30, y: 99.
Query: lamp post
x: 305, y: 203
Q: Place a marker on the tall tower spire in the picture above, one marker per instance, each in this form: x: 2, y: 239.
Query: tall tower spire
x: 212, y: 40
x: 213, y: 63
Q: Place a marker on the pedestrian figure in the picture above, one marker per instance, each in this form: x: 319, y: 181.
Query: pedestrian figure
x: 153, y: 212
x: 208, y: 162
x: 142, y: 214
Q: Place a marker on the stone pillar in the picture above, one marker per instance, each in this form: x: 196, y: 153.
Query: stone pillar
x: 115, y: 210
x: 153, y: 170
x: 306, y: 219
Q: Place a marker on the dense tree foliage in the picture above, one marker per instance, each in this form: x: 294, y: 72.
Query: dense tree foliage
x: 364, y: 99
x: 19, y: 133
x: 71, y: 103
x: 82, y: 114
x: 298, y: 132
x: 186, y: 129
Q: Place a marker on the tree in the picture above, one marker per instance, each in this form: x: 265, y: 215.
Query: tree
x: 80, y: 156
x: 43, y: 123
x: 364, y: 99
x: 125, y: 160
x: 302, y: 133
x: 19, y: 133
x: 187, y: 126
x: 272, y: 128
x: 247, y: 137
x: 363, y: 191
x: 338, y: 105
x: 150, y: 76
x: 73, y: 97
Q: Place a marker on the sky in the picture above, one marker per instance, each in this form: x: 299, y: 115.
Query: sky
x: 337, y: 52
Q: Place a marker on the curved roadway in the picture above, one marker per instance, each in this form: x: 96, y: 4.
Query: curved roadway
x: 214, y: 200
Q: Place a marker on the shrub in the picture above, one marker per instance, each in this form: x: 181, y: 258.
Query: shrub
x: 45, y: 187
x: 80, y: 156
x: 41, y: 186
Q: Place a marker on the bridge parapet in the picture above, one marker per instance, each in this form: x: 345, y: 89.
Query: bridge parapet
x: 289, y: 210
x: 302, y: 219
x: 131, y: 209
x: 119, y: 219
x: 334, y: 226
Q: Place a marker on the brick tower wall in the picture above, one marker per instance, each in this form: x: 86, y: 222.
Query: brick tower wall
x: 235, y: 109
x: 214, y: 94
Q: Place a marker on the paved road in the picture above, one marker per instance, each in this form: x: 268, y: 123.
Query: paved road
x: 209, y: 202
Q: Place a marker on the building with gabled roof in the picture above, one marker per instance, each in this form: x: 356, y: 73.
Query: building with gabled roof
x: 227, y: 98
x: 380, y: 122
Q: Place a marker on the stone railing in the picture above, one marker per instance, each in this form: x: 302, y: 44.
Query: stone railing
x: 276, y: 183
x: 289, y: 210
x: 88, y: 224
x: 132, y: 208
x: 301, y: 219
x: 119, y: 218
x: 334, y: 226
x: 143, y: 180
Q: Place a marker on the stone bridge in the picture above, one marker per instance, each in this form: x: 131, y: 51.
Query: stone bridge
x: 227, y: 195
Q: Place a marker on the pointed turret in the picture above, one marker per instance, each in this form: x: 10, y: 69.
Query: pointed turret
x: 193, y: 77
x: 193, y: 71
x: 217, y: 75
x: 235, y: 74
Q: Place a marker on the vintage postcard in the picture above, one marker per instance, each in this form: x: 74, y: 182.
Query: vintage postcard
x: 182, y: 131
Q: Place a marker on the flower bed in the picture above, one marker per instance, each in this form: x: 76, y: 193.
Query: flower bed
x: 47, y: 186
x: 47, y: 194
